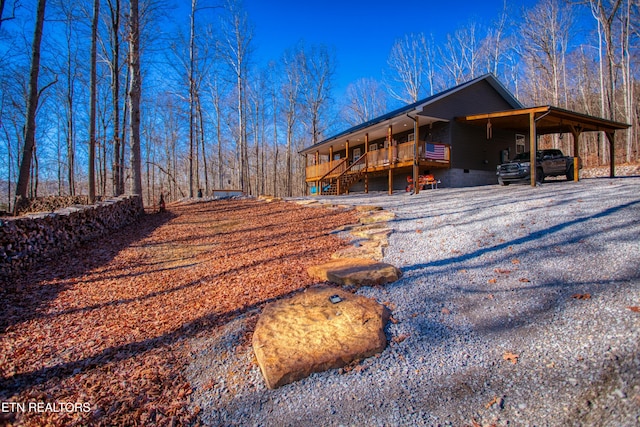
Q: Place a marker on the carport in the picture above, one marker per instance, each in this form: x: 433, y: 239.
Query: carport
x: 545, y: 120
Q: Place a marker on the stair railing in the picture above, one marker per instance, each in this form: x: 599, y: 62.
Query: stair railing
x: 323, y: 177
x: 360, y: 161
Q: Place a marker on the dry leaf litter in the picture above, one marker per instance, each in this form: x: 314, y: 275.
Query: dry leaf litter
x: 112, y: 324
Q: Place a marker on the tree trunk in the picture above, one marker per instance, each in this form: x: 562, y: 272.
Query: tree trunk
x: 192, y: 141
x: 135, y: 91
x: 32, y: 107
x: 202, y: 143
x: 114, y: 9
x: 93, y: 102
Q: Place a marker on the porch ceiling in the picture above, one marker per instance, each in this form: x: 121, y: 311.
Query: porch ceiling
x: 376, y: 131
x: 549, y: 120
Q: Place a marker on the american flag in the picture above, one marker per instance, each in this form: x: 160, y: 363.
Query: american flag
x: 435, y: 152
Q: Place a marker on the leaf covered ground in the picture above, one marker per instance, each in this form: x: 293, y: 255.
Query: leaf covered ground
x: 101, y: 335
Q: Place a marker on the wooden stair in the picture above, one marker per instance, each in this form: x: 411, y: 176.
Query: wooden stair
x: 347, y: 180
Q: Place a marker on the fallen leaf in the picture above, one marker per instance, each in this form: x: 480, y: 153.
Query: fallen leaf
x: 524, y: 280
x: 581, y: 296
x: 511, y: 357
x: 445, y: 311
x: 491, y: 403
x: 502, y: 271
x: 391, y: 306
x: 398, y: 339
x: 634, y: 308
x: 494, y: 280
x: 490, y: 296
x: 418, y: 231
x: 515, y: 261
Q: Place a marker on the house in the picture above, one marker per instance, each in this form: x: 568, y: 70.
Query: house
x: 462, y: 134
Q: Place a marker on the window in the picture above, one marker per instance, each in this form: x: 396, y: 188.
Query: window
x: 356, y: 153
x: 520, y: 143
x: 411, y: 137
x: 373, y: 147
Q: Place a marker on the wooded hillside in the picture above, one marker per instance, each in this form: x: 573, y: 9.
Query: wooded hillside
x: 210, y: 116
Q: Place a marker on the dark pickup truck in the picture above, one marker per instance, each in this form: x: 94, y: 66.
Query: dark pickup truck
x: 548, y: 163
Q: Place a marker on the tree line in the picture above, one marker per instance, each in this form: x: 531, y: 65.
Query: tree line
x: 100, y: 98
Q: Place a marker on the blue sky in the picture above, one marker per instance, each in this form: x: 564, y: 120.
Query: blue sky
x: 361, y: 32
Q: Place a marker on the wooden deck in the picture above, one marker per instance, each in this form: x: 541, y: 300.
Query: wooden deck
x: 378, y: 160
x: 336, y: 176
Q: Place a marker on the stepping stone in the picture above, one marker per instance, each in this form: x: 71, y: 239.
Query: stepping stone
x: 380, y: 216
x: 367, y: 249
x: 307, y: 202
x: 355, y: 272
x: 309, y: 333
x: 367, y: 208
x: 270, y: 199
x: 372, y: 233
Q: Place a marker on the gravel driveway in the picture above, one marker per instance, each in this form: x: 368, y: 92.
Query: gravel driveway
x: 517, y: 306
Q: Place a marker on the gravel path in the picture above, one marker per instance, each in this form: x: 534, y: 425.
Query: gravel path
x: 516, y: 307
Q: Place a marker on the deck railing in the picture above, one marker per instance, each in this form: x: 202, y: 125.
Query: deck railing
x: 404, y: 152
x: 317, y: 171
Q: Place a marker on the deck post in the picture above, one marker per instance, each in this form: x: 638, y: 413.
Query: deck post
x: 390, y: 155
x: 416, y: 169
x: 532, y: 147
x: 317, y: 163
x: 366, y: 163
x: 346, y: 147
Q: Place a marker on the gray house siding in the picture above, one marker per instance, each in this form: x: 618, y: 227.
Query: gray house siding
x: 478, y: 98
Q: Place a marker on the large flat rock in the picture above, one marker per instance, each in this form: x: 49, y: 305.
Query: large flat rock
x: 308, y: 333
x: 370, y: 249
x: 377, y: 216
x: 355, y: 272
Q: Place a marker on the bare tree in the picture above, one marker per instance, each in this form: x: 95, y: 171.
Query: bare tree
x: 319, y: 68
x: 408, y: 63
x: 32, y: 106
x: 13, y: 11
x: 462, y: 54
x: 546, y: 30
x: 117, y: 168
x: 273, y: 89
x: 290, y: 96
x: 497, y: 43
x: 605, y: 15
x: 235, y: 52
x: 366, y: 99
x: 192, y: 94
x: 135, y: 92
x: 93, y: 101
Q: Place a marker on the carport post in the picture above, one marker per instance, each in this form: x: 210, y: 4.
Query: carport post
x: 532, y: 147
x: 612, y: 153
x: 576, y: 153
